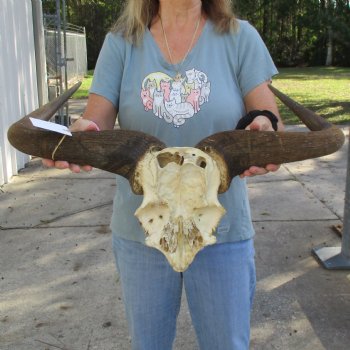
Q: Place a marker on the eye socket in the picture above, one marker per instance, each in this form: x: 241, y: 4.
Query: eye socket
x: 165, y: 158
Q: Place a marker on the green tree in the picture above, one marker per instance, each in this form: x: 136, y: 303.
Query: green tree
x: 297, y: 32
x: 302, y: 32
x: 96, y: 16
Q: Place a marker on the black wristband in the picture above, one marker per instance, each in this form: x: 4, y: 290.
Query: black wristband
x: 249, y: 117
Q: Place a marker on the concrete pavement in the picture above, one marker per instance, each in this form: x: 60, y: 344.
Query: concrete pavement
x: 59, y: 288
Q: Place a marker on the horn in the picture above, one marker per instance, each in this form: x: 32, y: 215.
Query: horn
x: 116, y: 151
x: 237, y: 150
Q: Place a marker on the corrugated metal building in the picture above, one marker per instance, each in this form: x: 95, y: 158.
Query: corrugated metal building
x: 18, y: 77
x: 23, y: 69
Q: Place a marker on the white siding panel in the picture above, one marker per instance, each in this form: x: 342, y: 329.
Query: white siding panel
x: 18, y: 85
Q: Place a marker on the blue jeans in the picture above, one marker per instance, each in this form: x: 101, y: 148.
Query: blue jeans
x: 219, y: 285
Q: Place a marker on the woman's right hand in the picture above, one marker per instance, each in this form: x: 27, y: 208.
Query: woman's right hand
x: 80, y: 125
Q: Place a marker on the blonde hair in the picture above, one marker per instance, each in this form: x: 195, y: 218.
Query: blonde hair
x: 137, y: 15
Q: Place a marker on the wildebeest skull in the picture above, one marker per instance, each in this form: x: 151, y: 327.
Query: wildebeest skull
x: 180, y: 209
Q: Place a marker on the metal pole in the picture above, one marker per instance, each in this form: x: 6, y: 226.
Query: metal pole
x: 338, y: 258
x: 64, y: 63
x: 59, y: 57
x: 40, y: 54
x: 345, y: 247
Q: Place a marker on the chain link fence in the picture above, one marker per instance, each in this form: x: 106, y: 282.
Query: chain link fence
x: 66, y: 54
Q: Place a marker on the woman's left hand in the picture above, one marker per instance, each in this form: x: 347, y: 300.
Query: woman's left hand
x: 260, y: 123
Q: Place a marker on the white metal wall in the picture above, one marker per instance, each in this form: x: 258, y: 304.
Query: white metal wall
x: 18, y: 84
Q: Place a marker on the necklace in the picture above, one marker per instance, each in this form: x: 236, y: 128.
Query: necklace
x: 179, y: 65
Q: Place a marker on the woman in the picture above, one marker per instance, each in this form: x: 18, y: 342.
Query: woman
x: 182, y: 70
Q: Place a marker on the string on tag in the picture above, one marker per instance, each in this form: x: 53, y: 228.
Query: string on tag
x: 56, y: 148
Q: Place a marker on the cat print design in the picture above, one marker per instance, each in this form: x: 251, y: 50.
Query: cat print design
x: 175, y: 100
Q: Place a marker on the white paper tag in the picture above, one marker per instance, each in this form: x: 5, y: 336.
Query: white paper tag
x: 50, y: 126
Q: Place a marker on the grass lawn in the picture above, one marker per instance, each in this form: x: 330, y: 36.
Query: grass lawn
x: 325, y: 90
x: 85, y: 86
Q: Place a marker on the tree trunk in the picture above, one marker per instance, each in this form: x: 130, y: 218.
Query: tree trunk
x: 329, y: 58
x: 329, y: 12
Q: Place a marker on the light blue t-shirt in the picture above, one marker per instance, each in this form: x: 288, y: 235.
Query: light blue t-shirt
x: 182, y: 109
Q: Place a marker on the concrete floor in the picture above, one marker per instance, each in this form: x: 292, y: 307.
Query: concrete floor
x: 59, y: 288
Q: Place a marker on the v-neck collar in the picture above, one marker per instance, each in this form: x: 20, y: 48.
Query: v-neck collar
x: 177, y: 67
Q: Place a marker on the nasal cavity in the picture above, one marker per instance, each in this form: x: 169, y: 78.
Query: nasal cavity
x: 201, y: 162
x: 165, y: 158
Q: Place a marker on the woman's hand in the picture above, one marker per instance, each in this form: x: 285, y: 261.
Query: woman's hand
x: 80, y: 125
x: 260, y: 123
